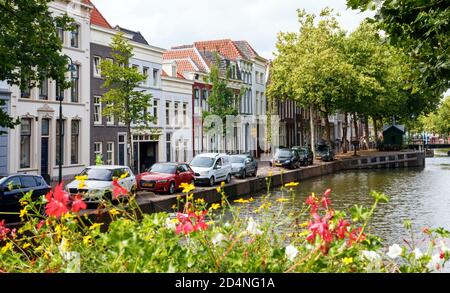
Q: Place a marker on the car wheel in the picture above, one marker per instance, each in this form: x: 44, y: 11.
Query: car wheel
x: 228, y: 180
x: 244, y: 174
x: 172, y: 188
x: 211, y: 181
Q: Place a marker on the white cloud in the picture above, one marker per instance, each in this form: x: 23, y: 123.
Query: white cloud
x: 174, y: 22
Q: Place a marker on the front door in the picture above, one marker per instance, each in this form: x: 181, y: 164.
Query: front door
x: 45, y: 132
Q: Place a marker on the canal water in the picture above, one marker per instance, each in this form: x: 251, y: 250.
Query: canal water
x: 420, y: 195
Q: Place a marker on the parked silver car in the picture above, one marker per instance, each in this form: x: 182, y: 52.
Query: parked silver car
x: 243, y: 166
x: 211, y: 168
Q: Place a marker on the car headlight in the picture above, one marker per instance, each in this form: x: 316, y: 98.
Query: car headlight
x: 161, y: 181
x: 288, y: 161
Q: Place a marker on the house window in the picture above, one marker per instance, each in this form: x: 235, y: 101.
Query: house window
x: 43, y: 89
x: 26, y: 92
x: 185, y: 116
x: 205, y: 100
x: 97, y: 149
x: 60, y: 32
x: 185, y: 150
x: 122, y: 150
x: 196, y: 101
x: 155, y: 77
x: 58, y: 137
x: 75, y: 142
x: 155, y: 111
x: 168, y: 113
x: 145, y: 72
x: 177, y: 114
x: 25, y: 143
x: 110, y: 117
x: 97, y: 110
x: 75, y: 90
x: 168, y: 147
x: 75, y: 37
x: 110, y: 153
x: 136, y: 67
x: 97, y: 71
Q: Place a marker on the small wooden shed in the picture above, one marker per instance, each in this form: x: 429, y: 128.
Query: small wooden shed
x: 393, y: 135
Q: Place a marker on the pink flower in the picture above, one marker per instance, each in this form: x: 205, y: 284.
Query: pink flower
x: 57, y: 201
x: 320, y: 227
x: 40, y: 224
x: 3, y: 230
x: 78, y: 204
x: 327, y: 192
x: 341, y: 229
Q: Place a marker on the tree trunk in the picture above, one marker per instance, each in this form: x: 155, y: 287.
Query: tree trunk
x: 375, y: 129
x: 356, y: 138
x: 327, y: 134
x: 131, y: 151
x: 366, y: 132
x: 311, y: 124
x: 344, y: 134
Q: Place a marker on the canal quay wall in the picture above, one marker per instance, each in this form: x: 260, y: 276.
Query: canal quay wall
x: 151, y: 203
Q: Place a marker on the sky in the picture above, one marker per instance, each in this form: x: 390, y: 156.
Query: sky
x: 167, y: 23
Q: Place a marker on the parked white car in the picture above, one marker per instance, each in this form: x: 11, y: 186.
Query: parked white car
x: 211, y: 168
x: 99, y: 182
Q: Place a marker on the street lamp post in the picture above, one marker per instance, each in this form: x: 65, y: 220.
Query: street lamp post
x: 60, y: 98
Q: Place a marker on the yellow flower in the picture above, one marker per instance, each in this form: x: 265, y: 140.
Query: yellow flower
x: 270, y: 174
x: 222, y: 184
x: 24, y: 203
x: 241, y: 200
x: 81, y: 180
x: 26, y: 245
x: 304, y: 233
x: 174, y: 206
x: 304, y: 224
x: 87, y: 240
x: 114, y: 212
x: 210, y: 223
x: 95, y: 225
x: 215, y: 206
x: 251, y: 199
x: 347, y: 260
x: 282, y: 200
x: 23, y: 213
x: 187, y: 187
x: 7, y: 247
x: 291, y: 184
x: 290, y: 234
x: 123, y: 176
x: 190, y: 196
x: 200, y: 200
x: 218, y: 189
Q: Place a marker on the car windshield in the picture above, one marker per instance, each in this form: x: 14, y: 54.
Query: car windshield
x: 163, y: 168
x: 3, y: 180
x: 283, y: 153
x: 236, y: 159
x: 322, y: 148
x: 202, y: 162
x: 97, y: 174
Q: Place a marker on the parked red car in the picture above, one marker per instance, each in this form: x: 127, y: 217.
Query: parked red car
x: 165, y: 177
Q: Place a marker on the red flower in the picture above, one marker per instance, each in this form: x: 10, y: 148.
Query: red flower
x: 40, y: 224
x: 191, y: 222
x: 320, y: 227
x: 353, y: 236
x: 3, y: 230
x: 313, y: 202
x: 341, y: 229
x: 57, y: 201
x: 118, y: 190
x: 442, y: 255
x: 78, y: 204
x: 327, y: 192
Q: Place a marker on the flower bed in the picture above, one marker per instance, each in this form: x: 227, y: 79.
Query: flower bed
x: 200, y: 238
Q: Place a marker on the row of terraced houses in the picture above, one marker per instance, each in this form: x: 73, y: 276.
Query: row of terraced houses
x: 175, y: 79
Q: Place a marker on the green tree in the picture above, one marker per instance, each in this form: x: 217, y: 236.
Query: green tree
x: 420, y: 27
x: 311, y: 68
x: 123, y: 100
x: 222, y: 100
x: 30, y: 49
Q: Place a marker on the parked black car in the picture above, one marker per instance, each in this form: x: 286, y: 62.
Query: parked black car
x: 13, y: 187
x: 243, y: 165
x: 306, y: 155
x: 324, y: 152
x: 287, y: 158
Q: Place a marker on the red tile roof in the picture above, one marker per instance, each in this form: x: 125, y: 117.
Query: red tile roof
x: 225, y: 47
x: 186, y: 65
x: 188, y: 53
x: 179, y: 76
x: 96, y: 17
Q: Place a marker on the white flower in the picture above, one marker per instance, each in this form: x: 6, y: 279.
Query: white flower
x: 395, y: 251
x: 417, y: 253
x: 435, y: 262
x: 227, y: 224
x: 443, y: 247
x: 218, y: 239
x: 291, y: 252
x: 252, y: 227
x: 371, y: 255
x: 170, y: 224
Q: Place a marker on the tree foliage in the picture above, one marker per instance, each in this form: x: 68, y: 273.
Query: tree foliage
x: 123, y: 100
x: 421, y: 28
x: 30, y: 49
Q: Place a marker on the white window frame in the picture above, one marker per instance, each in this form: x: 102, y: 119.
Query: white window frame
x: 109, y: 152
x: 99, y: 120
x: 97, y: 71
